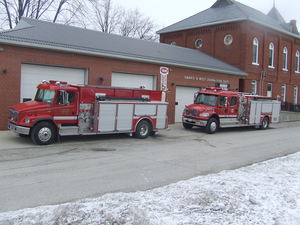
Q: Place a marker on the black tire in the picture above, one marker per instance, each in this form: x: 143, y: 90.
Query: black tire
x: 153, y: 133
x: 265, y: 123
x: 187, y: 126
x: 43, y: 133
x: 143, y: 129
x: 212, y: 126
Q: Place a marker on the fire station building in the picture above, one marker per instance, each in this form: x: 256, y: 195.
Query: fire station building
x: 229, y: 45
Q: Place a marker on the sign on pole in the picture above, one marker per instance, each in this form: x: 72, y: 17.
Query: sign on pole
x: 164, y: 72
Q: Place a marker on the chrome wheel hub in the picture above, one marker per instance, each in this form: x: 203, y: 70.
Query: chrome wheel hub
x: 143, y: 130
x: 213, y: 126
x: 45, y: 134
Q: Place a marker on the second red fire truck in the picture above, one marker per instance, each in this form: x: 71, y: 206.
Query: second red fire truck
x: 61, y: 109
x: 215, y: 108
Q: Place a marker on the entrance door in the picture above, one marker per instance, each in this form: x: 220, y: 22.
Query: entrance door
x: 184, y: 96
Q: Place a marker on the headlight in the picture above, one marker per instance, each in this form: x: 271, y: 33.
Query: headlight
x: 13, y: 115
x: 27, y: 120
x: 204, y: 114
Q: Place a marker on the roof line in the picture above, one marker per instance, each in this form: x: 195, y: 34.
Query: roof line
x: 276, y: 29
x: 235, y: 20
x: 204, y: 25
x: 131, y: 58
x: 158, y: 32
x: 237, y: 5
x: 14, y: 29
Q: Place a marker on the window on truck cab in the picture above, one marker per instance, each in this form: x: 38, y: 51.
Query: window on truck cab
x: 233, y: 101
x: 223, y: 100
x: 45, y: 96
x: 71, y: 98
x: 206, y: 99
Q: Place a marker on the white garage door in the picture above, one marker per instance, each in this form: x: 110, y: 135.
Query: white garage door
x: 32, y: 75
x: 184, y: 96
x: 133, y: 81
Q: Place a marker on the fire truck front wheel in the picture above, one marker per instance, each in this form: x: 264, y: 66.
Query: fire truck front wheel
x: 212, y: 125
x: 43, y: 133
x: 187, y: 125
x: 143, y: 129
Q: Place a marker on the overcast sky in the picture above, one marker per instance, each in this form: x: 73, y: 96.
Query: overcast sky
x: 167, y: 12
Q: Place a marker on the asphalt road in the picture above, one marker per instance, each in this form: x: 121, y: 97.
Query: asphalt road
x: 89, y: 166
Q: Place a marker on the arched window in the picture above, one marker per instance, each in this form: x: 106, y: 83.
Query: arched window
x: 255, y: 51
x: 285, y: 58
x: 297, y: 62
x: 271, y: 55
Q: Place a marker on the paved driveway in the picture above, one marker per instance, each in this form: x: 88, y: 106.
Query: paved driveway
x: 89, y: 166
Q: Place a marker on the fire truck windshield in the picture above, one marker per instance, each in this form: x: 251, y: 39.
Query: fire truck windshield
x: 206, y: 99
x: 43, y: 95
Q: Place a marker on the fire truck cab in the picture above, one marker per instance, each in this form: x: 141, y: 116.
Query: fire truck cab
x: 61, y: 109
x: 216, y: 108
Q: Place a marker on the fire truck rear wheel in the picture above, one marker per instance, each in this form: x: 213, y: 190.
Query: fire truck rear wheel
x: 265, y: 123
x: 212, y: 125
x: 43, y: 133
x: 143, y: 129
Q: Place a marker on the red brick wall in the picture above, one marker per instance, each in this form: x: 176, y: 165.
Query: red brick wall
x: 12, y: 57
x: 239, y: 53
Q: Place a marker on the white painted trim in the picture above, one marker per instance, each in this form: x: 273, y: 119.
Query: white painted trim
x: 228, y: 116
x: 65, y: 117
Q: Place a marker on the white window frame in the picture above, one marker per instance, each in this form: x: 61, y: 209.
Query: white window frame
x: 271, y: 55
x: 297, y: 62
x: 283, y: 92
x: 285, y: 59
x: 270, y: 92
x: 254, y: 86
x: 295, y: 95
x: 255, y: 49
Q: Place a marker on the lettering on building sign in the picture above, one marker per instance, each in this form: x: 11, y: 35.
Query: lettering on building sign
x: 206, y: 79
x: 164, y: 72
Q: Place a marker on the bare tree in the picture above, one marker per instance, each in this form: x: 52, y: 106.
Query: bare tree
x: 103, y: 15
x: 146, y: 29
x: 106, y: 16
x: 11, y: 11
x: 135, y: 25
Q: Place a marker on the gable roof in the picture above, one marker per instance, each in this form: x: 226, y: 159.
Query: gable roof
x: 46, y: 35
x: 226, y: 11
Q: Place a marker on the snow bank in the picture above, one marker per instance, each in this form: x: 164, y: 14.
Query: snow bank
x: 264, y: 193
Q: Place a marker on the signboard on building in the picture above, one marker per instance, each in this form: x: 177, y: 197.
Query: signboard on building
x: 164, y: 72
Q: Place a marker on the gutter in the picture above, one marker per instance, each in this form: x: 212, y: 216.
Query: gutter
x: 130, y: 58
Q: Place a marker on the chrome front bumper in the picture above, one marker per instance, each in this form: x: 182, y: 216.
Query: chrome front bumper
x: 19, y: 129
x: 199, y: 123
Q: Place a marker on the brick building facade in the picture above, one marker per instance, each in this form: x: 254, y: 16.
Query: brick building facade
x: 233, y: 39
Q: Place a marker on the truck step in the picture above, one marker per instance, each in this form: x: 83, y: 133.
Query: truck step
x: 68, y: 130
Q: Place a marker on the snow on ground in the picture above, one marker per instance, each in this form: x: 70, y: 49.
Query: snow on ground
x: 264, y: 193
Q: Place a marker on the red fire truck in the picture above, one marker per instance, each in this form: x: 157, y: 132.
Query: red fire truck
x: 215, y: 108
x: 61, y: 109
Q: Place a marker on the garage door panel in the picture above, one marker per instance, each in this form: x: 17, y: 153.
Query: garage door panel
x: 32, y: 75
x: 184, y: 96
x: 133, y: 80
